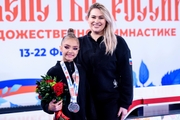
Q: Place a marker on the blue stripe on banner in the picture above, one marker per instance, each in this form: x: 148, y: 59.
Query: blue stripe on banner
x: 23, y: 82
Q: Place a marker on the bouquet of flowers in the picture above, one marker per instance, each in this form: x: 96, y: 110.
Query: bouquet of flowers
x: 49, y: 88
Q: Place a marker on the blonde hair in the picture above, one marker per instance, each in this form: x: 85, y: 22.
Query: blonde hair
x: 110, y: 39
x: 70, y: 34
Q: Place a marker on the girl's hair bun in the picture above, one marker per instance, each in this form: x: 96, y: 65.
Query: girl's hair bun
x: 70, y: 30
x: 70, y: 34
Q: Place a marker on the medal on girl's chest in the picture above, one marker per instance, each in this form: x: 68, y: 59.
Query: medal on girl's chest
x: 73, y: 87
x: 73, y: 107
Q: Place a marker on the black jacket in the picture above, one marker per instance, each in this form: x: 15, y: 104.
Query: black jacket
x: 102, y: 70
x: 83, y: 99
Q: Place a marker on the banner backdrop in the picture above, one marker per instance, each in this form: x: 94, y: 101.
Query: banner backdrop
x: 31, y: 32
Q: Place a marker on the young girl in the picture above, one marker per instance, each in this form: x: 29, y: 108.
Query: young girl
x: 77, y: 105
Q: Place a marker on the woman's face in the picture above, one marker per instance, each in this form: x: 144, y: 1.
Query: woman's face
x: 69, y: 49
x: 96, y: 21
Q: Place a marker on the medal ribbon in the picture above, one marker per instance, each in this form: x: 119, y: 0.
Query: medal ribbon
x: 73, y: 87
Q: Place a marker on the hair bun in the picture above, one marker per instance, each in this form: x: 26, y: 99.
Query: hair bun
x: 70, y: 30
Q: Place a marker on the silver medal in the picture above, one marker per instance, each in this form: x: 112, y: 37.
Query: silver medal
x: 73, y: 107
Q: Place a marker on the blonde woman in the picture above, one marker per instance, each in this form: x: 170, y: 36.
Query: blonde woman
x: 106, y: 59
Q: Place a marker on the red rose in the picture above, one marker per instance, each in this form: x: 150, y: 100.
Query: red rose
x: 58, y: 88
x: 49, y: 81
x: 39, y: 97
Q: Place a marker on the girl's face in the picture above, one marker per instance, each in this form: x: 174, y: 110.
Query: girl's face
x: 96, y: 21
x: 69, y: 49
